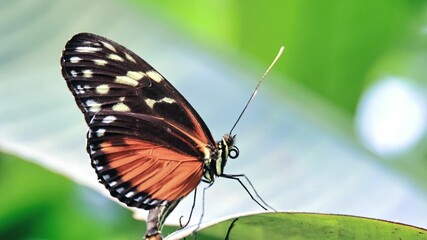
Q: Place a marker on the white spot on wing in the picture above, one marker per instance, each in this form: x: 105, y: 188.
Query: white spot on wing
x: 80, y: 89
x: 100, y: 62
x: 87, y: 49
x: 139, y: 198
x: 151, y: 102
x: 87, y: 73
x: 167, y: 100
x: 135, y: 75
x: 75, y: 59
x: 130, y: 58
x: 130, y: 194
x: 109, y: 46
x: 91, y: 149
x: 155, y: 76
x: 100, y: 132
x: 73, y: 73
x: 109, y: 119
x: 121, y: 107
x: 116, y: 57
x: 93, y: 106
x: 126, y: 80
x: 102, y: 89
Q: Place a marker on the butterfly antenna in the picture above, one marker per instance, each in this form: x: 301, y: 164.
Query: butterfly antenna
x: 257, y: 86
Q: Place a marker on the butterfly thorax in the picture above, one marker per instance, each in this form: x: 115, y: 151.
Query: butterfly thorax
x: 214, y: 165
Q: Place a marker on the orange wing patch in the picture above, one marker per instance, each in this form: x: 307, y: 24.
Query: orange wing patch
x: 162, y: 173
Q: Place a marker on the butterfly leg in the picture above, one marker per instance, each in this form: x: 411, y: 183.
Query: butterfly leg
x: 237, y: 178
x: 156, y: 218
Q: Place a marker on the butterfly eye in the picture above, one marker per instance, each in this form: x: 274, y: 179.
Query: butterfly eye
x: 233, y: 153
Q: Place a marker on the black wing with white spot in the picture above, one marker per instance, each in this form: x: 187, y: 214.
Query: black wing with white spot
x: 103, y: 75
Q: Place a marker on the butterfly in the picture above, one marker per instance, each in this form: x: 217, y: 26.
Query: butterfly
x: 147, y: 144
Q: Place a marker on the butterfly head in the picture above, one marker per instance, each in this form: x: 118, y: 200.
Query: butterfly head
x: 232, y: 150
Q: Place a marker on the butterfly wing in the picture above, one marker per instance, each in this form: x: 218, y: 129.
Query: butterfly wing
x: 141, y: 159
x: 145, y: 140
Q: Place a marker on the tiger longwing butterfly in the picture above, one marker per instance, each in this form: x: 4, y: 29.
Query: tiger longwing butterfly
x: 147, y: 144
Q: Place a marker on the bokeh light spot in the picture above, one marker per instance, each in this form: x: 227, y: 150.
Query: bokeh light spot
x: 392, y: 116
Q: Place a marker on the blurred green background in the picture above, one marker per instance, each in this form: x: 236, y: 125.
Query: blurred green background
x: 365, y: 60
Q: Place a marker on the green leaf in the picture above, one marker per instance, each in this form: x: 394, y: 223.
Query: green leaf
x: 288, y: 225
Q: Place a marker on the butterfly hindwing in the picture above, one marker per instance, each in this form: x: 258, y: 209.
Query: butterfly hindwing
x: 145, y: 140
x: 139, y: 172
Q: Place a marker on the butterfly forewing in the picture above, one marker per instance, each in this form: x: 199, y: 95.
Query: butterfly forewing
x: 103, y: 75
x: 145, y: 140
